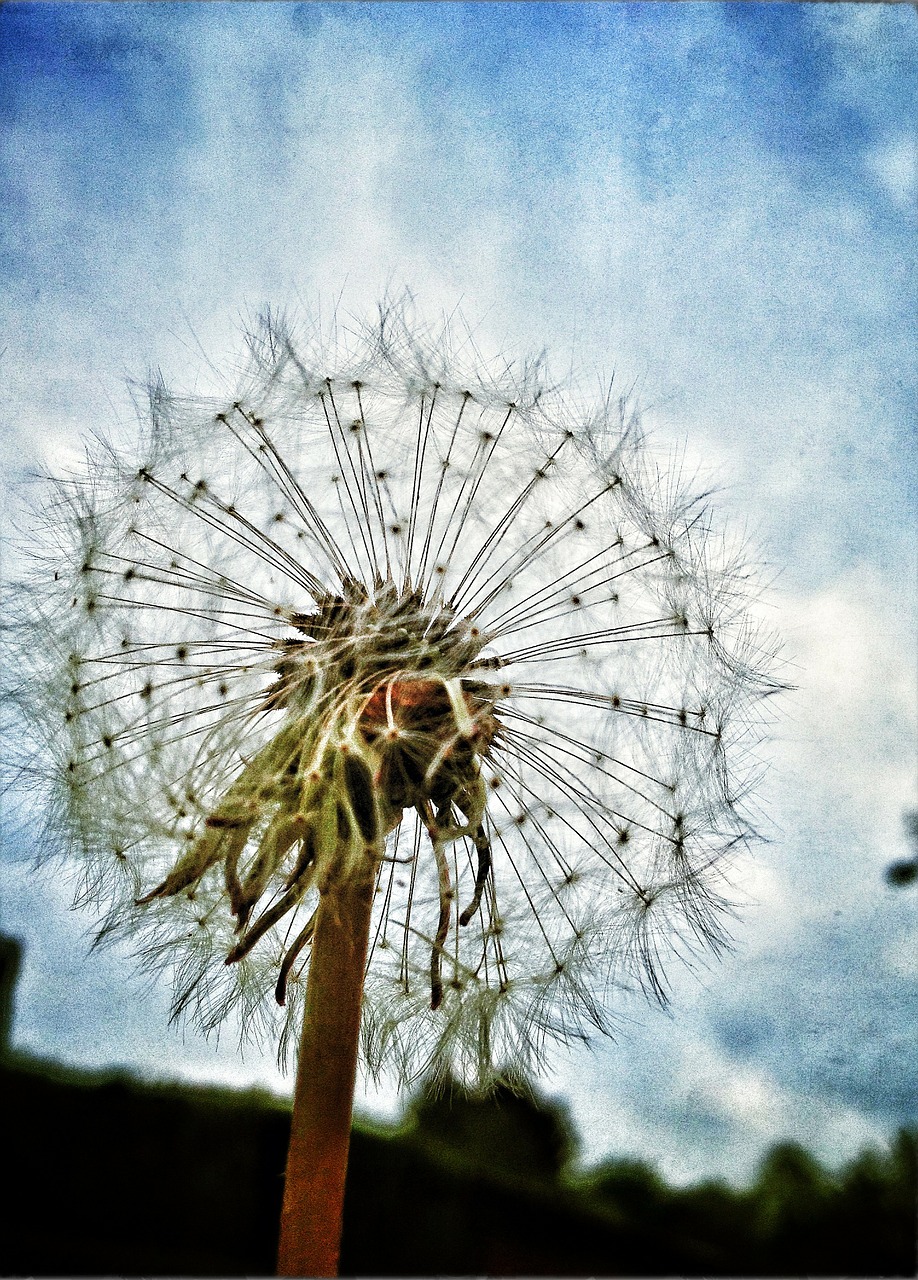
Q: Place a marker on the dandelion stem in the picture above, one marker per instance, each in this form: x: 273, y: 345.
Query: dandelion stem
x: 310, y: 1230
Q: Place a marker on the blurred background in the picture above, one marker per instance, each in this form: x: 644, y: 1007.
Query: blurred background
x: 109, y: 1175
x: 713, y: 203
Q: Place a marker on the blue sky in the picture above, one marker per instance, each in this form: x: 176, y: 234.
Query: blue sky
x: 714, y: 202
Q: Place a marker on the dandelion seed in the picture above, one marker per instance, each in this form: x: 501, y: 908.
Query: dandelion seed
x: 387, y: 636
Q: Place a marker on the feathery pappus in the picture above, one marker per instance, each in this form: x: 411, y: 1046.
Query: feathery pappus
x: 383, y: 606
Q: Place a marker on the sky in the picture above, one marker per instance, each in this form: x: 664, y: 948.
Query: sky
x: 715, y: 203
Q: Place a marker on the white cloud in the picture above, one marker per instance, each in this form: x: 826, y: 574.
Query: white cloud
x: 896, y: 165
x: 850, y: 735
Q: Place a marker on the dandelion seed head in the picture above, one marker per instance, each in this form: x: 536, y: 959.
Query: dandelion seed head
x: 381, y: 608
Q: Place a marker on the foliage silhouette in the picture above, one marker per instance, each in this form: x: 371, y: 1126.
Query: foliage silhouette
x: 173, y: 1180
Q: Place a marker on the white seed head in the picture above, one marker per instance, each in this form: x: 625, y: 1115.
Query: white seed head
x: 378, y: 606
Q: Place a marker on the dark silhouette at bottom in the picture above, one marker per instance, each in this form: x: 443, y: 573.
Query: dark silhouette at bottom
x: 106, y: 1175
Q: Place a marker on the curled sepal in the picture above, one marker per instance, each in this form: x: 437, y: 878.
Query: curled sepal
x: 302, y: 939
x: 207, y: 850
x: 270, y: 917
x: 282, y: 833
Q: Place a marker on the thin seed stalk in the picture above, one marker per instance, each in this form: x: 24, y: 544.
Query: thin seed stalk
x: 310, y: 1228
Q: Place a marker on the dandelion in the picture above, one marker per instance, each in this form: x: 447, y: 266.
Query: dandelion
x: 394, y: 697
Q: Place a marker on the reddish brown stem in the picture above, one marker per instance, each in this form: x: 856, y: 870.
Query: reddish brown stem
x: 310, y: 1230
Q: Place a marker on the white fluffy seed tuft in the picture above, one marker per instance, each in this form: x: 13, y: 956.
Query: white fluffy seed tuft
x: 378, y: 606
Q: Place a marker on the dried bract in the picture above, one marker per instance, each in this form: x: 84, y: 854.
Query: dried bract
x: 377, y: 609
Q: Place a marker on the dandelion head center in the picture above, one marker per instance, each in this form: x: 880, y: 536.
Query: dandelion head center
x: 361, y: 637
x: 395, y: 669
x: 382, y: 712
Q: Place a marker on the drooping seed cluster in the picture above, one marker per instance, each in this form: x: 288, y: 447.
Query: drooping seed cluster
x: 377, y: 610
